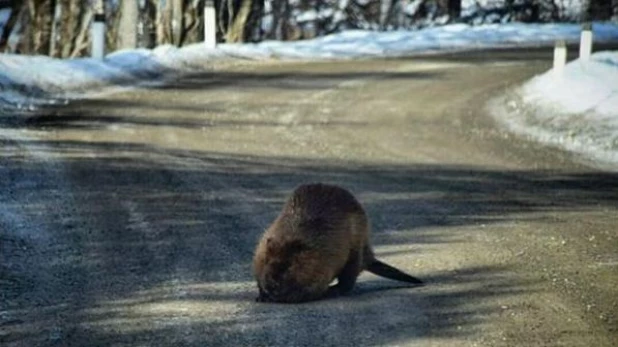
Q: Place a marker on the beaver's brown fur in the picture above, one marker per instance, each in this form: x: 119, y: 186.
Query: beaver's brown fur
x: 321, y: 234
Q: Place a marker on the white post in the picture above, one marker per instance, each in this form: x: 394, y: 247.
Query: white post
x: 54, y: 30
x: 210, y: 24
x: 585, y: 42
x: 560, y: 55
x: 98, y: 31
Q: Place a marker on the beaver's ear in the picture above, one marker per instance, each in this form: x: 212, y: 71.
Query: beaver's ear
x: 271, y: 244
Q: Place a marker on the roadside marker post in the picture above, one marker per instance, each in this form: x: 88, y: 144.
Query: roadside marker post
x: 210, y: 27
x: 560, y: 55
x: 585, y: 42
x: 97, y: 32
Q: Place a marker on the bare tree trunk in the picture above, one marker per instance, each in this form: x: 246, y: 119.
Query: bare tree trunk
x: 127, y: 27
x: 193, y: 17
x: 253, y: 28
x: 276, y: 6
x: 399, y: 16
x: 236, y: 32
x: 57, y: 27
x: 82, y: 39
x: 69, y: 26
x: 56, y: 13
x: 388, y: 18
x: 385, y: 6
x: 177, y: 21
x: 508, y: 4
x: 147, y: 37
x: 240, y: 20
x: 281, y: 14
x: 17, y: 8
x: 112, y: 20
x: 36, y: 27
x: 164, y: 17
x: 389, y: 11
x: 598, y: 10
x: 454, y: 10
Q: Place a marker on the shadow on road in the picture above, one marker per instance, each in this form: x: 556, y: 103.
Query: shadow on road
x: 542, y: 53
x: 286, y: 79
x: 134, y: 244
x: 84, y: 121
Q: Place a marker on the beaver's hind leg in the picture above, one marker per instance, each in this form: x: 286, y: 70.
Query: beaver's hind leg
x: 347, y: 277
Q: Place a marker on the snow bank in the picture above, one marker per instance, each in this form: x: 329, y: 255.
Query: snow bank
x: 361, y: 43
x: 577, y: 111
x: 28, y: 81
x: 585, y: 87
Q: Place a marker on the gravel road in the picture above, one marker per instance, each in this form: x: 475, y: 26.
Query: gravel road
x: 131, y: 219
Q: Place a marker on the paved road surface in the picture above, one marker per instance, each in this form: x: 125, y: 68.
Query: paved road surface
x: 130, y: 220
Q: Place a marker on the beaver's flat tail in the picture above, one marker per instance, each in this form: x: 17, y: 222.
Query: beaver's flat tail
x: 381, y: 269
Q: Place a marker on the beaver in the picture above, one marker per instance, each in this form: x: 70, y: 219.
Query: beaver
x: 321, y: 234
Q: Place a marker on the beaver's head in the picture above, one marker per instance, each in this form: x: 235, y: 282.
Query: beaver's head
x: 281, y: 278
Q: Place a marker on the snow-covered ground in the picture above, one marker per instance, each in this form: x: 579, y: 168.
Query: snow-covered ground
x: 589, y: 125
x: 576, y: 110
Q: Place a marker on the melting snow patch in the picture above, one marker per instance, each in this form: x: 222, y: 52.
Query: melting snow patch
x: 577, y: 111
